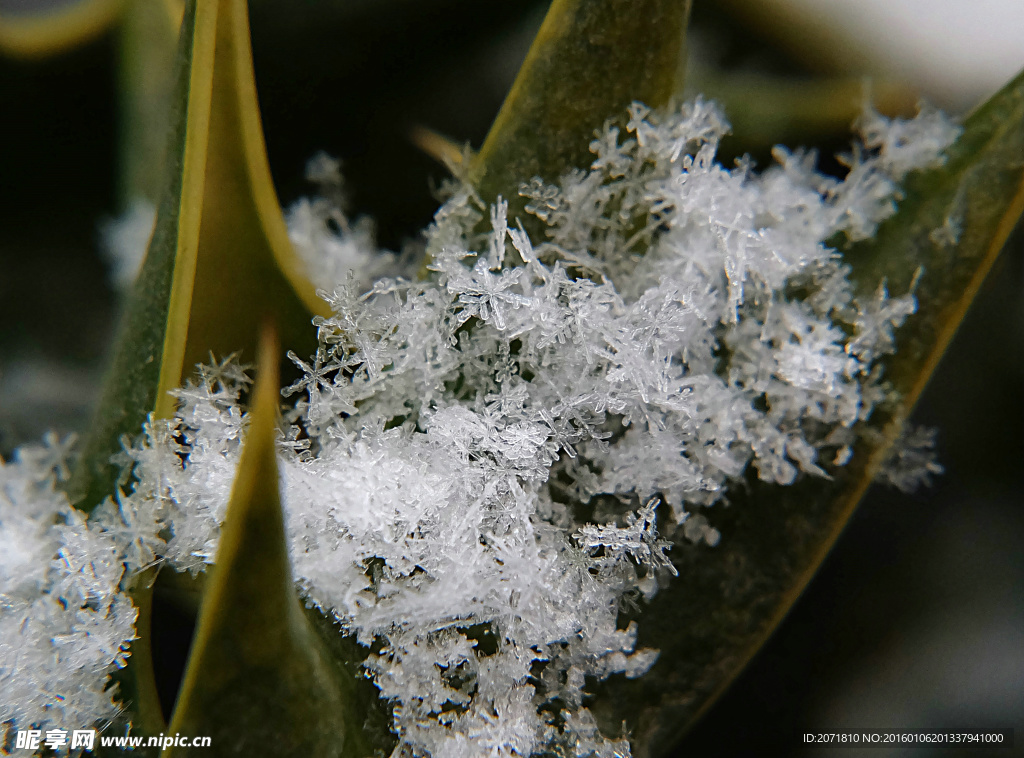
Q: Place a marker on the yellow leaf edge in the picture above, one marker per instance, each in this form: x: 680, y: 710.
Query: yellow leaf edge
x: 258, y: 669
x: 229, y: 21
x: 197, y: 50
x: 200, y: 92
x: 256, y: 466
x: 149, y: 714
x: 254, y: 145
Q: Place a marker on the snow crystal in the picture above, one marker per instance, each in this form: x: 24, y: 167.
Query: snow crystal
x: 478, y: 464
x: 65, y: 622
x: 327, y: 243
x: 124, y: 241
x: 911, y: 462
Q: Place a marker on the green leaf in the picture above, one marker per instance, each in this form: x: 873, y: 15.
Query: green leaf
x: 978, y: 196
x: 219, y: 261
x: 53, y: 26
x: 589, y: 61
x: 148, y: 40
x: 365, y: 706
x: 711, y: 621
x: 259, y: 679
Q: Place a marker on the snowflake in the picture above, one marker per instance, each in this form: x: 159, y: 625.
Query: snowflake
x: 481, y: 454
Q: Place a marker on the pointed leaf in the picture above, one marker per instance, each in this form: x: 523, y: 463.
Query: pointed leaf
x: 952, y: 223
x: 589, y: 61
x: 219, y: 260
x: 258, y: 678
x: 364, y: 704
x: 52, y: 26
x: 710, y: 622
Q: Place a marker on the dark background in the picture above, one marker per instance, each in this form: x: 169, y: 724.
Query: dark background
x: 917, y: 617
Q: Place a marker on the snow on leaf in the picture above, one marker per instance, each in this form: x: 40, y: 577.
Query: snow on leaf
x: 677, y: 323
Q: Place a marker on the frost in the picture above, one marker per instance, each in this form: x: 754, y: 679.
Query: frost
x: 911, y: 462
x: 65, y: 622
x: 610, y: 545
x: 477, y: 466
x: 327, y: 243
x: 124, y: 241
x: 696, y: 529
x: 948, y: 234
x: 906, y: 145
x: 891, y: 150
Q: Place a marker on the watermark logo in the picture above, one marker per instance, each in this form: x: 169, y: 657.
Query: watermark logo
x: 55, y: 739
x: 85, y: 739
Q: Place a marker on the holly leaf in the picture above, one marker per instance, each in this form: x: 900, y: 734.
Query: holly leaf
x: 219, y: 261
x: 258, y: 673
x: 950, y: 226
x: 589, y: 61
x: 952, y: 223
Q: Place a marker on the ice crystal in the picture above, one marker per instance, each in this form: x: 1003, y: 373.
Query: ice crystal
x: 328, y: 244
x: 124, y: 241
x: 65, y: 623
x: 479, y: 463
x: 911, y: 461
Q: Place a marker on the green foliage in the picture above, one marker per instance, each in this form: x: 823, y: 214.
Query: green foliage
x: 952, y: 223
x: 590, y: 60
x: 259, y: 674
x: 219, y: 261
x: 148, y: 41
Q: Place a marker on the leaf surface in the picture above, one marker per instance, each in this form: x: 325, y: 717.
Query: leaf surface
x: 710, y: 621
x: 259, y: 680
x: 589, y: 61
x: 219, y: 261
x: 148, y: 41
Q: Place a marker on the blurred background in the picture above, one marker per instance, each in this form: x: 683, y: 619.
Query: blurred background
x: 916, y: 619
